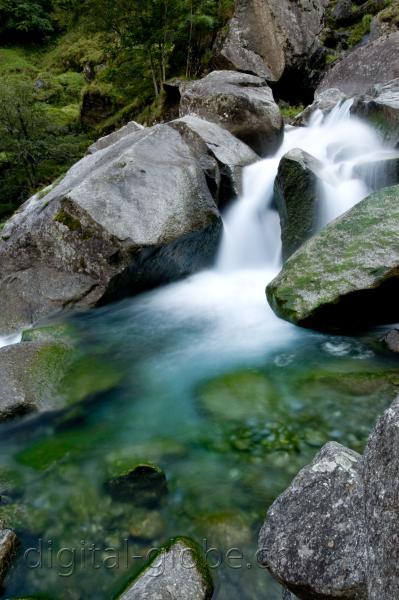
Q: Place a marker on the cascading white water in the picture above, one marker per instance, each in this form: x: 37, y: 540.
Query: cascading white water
x: 341, y: 143
x: 227, y: 304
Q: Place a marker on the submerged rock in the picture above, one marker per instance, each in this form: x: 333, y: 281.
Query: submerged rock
x: 295, y: 192
x: 367, y: 65
x: 347, y: 275
x: 381, y: 171
x: 243, y: 104
x: 29, y: 374
x: 8, y: 544
x: 179, y: 571
x: 222, y: 155
x: 132, y: 216
x: 313, y: 540
x: 144, y: 484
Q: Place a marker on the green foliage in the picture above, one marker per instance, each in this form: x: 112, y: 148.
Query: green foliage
x: 361, y: 29
x: 290, y: 112
x: 26, y: 20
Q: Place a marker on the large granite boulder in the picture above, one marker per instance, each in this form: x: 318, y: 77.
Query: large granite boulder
x: 8, y: 545
x: 296, y: 196
x: 369, y: 64
x: 178, y: 572
x: 127, y: 218
x: 347, y: 275
x: 222, y: 155
x: 313, y: 540
x: 266, y: 37
x: 381, y: 488
x: 334, y: 533
x: 380, y: 107
x: 243, y: 104
x: 114, y: 137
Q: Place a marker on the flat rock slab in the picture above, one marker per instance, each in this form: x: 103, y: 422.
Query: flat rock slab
x: 176, y: 573
x: 313, y: 540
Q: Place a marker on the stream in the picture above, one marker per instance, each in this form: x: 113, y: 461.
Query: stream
x: 201, y: 378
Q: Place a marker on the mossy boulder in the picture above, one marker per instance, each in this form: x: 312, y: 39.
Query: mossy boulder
x: 143, y: 484
x: 380, y: 107
x: 345, y: 277
x: 179, y: 566
x: 29, y: 376
x: 295, y: 192
x: 238, y: 396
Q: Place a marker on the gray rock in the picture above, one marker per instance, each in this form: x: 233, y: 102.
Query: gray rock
x: 313, y: 540
x: 243, y: 104
x: 222, y: 156
x: 391, y: 340
x: 288, y: 596
x: 380, y: 107
x: 178, y: 573
x: 8, y: 544
x: 367, y: 65
x: 355, y: 282
x: 381, y: 489
x: 296, y: 195
x: 113, y: 137
x: 381, y: 171
x: 324, y: 101
x: 29, y: 372
x: 343, y: 12
x: 127, y: 218
x: 266, y: 37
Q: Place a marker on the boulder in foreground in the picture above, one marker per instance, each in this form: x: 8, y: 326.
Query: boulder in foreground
x: 334, y: 533
x: 178, y: 571
x: 243, y: 104
x: 347, y: 276
x: 127, y: 218
x: 313, y: 540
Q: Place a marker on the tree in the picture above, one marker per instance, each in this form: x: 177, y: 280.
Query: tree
x: 26, y: 20
x: 25, y: 141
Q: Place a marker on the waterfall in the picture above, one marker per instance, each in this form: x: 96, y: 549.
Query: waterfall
x: 352, y: 156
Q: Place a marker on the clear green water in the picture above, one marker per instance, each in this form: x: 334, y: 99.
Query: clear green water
x: 230, y: 409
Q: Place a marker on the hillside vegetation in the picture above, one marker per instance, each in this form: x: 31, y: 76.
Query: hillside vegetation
x: 72, y: 70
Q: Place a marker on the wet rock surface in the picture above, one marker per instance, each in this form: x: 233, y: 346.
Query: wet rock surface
x: 380, y: 107
x: 296, y: 196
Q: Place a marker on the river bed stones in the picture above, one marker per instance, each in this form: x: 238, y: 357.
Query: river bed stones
x: 143, y: 484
